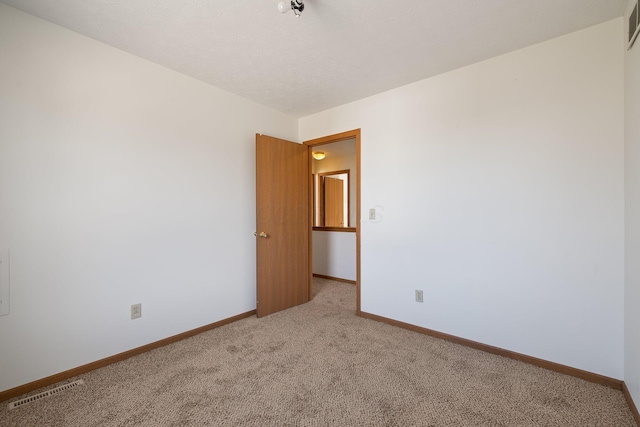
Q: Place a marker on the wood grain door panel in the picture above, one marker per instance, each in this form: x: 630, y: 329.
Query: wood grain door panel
x: 283, y: 214
x: 333, y: 202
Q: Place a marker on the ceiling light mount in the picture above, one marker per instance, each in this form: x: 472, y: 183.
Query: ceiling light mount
x: 296, y: 5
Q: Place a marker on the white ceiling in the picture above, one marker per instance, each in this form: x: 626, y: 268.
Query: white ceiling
x: 344, y: 148
x: 338, y: 50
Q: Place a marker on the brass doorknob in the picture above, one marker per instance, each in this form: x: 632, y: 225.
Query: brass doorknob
x: 263, y: 235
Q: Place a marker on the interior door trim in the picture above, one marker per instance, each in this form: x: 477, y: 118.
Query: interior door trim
x: 350, y: 134
x: 320, y: 195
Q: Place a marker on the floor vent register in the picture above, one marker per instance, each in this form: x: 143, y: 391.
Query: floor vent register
x: 44, y: 394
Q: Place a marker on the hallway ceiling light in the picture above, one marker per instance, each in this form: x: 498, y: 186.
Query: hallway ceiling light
x: 318, y: 155
x: 296, y: 5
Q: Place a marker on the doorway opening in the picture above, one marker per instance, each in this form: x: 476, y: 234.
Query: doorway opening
x: 348, y: 191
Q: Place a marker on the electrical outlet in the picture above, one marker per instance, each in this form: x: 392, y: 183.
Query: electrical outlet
x: 419, y: 296
x: 136, y: 311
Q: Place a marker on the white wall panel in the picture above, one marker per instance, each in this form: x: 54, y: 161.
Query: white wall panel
x: 632, y: 217
x: 499, y: 190
x: 121, y: 182
x: 334, y: 254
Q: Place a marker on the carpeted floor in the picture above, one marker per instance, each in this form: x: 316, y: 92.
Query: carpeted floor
x: 320, y: 365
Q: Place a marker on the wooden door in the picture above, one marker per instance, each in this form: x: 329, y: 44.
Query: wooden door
x: 333, y: 202
x: 283, y: 224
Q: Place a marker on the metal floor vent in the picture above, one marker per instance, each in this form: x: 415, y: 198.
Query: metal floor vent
x: 44, y: 394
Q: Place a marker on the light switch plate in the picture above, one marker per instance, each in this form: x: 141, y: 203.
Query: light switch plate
x: 4, y: 282
x: 372, y: 213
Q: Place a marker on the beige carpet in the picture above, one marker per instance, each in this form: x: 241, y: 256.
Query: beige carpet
x: 320, y: 365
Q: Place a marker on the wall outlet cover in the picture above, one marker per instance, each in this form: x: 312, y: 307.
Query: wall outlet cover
x: 136, y: 311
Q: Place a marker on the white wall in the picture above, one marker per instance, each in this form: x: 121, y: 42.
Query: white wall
x: 121, y: 182
x: 334, y: 254
x: 632, y: 218
x: 499, y: 193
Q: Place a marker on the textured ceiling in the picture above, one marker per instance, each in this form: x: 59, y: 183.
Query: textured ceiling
x: 336, y: 52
